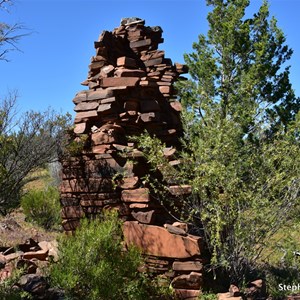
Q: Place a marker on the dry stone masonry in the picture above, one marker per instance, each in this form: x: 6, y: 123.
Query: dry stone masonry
x: 130, y: 90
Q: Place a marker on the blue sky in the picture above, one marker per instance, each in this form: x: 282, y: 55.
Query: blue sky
x: 55, y: 57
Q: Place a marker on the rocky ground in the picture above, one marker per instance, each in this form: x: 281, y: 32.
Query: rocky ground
x: 29, y: 249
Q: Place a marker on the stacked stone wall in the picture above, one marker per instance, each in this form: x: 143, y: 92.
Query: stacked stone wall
x: 130, y: 90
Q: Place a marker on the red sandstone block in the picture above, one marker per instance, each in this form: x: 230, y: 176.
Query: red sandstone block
x: 93, y: 185
x: 145, y: 217
x: 121, y: 72
x: 141, y: 43
x: 98, y: 94
x: 190, y: 281
x: 100, y: 138
x: 187, y: 266
x: 157, y: 241
x: 152, y: 55
x: 80, y: 128
x: 84, y: 116
x: 153, y: 62
x: 126, y: 62
x: 119, y: 81
x: 165, y: 89
x: 84, y: 106
x: 176, y: 105
x: 137, y: 195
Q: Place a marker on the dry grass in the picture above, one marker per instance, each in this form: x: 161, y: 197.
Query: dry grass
x: 15, y: 230
x: 41, y: 178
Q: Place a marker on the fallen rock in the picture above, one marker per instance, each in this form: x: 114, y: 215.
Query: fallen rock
x: 40, y: 255
x: 33, y: 284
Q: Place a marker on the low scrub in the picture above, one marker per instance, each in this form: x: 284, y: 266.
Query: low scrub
x: 42, y: 207
x: 93, y: 264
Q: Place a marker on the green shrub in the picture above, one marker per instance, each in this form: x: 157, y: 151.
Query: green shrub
x: 93, y: 264
x: 9, y: 289
x: 42, y: 207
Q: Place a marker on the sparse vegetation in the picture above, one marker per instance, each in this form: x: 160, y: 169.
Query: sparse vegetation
x: 93, y: 264
x: 42, y: 207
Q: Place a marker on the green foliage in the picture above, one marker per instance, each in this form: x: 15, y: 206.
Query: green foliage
x: 93, y: 264
x: 42, y: 207
x: 8, y: 288
x: 240, y: 150
x: 208, y: 296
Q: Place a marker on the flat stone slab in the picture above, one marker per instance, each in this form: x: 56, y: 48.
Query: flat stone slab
x: 157, y: 241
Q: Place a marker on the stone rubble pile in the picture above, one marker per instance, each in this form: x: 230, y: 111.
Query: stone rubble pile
x: 130, y: 91
x: 32, y: 258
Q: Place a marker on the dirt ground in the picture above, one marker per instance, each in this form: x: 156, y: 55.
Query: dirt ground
x: 15, y: 230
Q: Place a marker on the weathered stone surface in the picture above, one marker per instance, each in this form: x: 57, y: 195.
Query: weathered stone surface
x: 84, y: 116
x: 145, y: 217
x: 137, y: 195
x: 187, y: 266
x: 190, y: 281
x: 119, y: 81
x: 83, y: 106
x: 99, y: 94
x: 80, y: 128
x: 175, y: 230
x: 234, y: 291
x: 165, y: 89
x: 142, y: 43
x: 187, y: 294
x: 157, y: 241
x: 176, y: 105
x: 126, y: 62
x: 226, y: 296
x: 121, y: 72
x: 40, y: 255
x: 33, y: 283
x: 107, y: 70
x: 93, y: 185
x: 104, y: 137
x: 181, y: 225
x: 181, y: 69
x: 152, y: 62
x: 106, y: 108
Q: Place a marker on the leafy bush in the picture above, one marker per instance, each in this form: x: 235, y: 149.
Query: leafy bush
x: 8, y: 288
x: 93, y: 264
x: 42, y: 207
